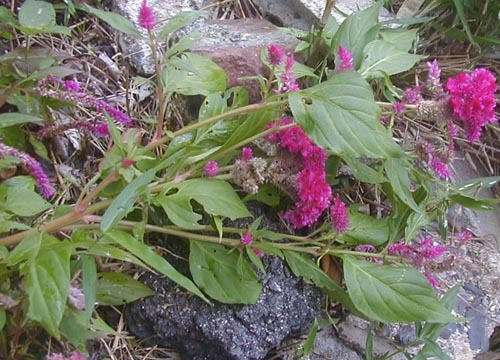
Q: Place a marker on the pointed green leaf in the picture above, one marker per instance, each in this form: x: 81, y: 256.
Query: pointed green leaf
x: 397, y: 173
x: 146, y: 254
x: 192, y: 74
x: 124, y: 202
x: 382, y: 57
x: 89, y: 275
x: 179, y: 21
x: 303, y: 265
x: 365, y: 229
x: 119, y: 289
x: 10, y: 119
x: 341, y: 116
x: 392, y: 294
x: 223, y: 274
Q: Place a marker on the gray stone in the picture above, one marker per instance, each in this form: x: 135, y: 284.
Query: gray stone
x: 236, y: 45
x: 328, y: 346
x: 354, y: 332
x: 484, y: 224
x: 219, y: 332
x: 406, y: 335
x: 302, y: 14
x: 477, y: 328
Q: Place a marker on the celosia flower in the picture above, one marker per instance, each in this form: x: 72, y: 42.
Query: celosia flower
x: 419, y: 254
x: 71, y: 85
x: 33, y: 167
x: 247, y: 153
x: 440, y: 168
x: 452, y: 133
x: 345, y: 60
x: 398, y: 107
x: 246, y: 238
x: 146, y: 17
x: 211, y: 168
x: 127, y: 162
x: 472, y: 97
x: 258, y: 252
x: 276, y: 55
x: 75, y: 355
x: 432, y: 280
x: 76, y: 298
x: 73, y: 94
x: 339, y: 217
x: 434, y: 80
x: 288, y: 80
x: 413, y: 95
x: 463, y: 237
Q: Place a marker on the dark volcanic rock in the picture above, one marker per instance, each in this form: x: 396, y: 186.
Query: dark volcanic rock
x: 199, y: 331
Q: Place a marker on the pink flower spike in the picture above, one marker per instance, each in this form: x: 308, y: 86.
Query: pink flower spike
x: 246, y: 238
x: 440, y: 168
x: 33, y: 167
x: 211, y: 168
x: 338, y: 213
x: 258, y: 252
x: 276, y: 54
x: 247, y: 153
x: 76, y: 355
x: 71, y: 85
x: 398, y: 107
x: 432, y: 280
x: 346, y: 61
x: 146, y: 17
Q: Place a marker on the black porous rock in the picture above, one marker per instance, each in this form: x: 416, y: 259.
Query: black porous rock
x: 199, y: 331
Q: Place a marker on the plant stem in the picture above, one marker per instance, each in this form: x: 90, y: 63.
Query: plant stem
x: 162, y: 106
x: 240, y: 111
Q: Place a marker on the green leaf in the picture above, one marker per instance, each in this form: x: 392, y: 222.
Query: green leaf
x: 382, y: 57
x: 119, y: 289
x: 124, y: 202
x: 3, y: 318
x: 357, y: 30
x: 392, y: 294
x: 363, y: 172
x: 10, y: 119
x: 116, y: 21
x: 223, y: 274
x: 39, y: 17
x: 474, y: 203
x: 397, y: 173
x: 59, y: 71
x: 365, y: 229
x: 479, y: 183
x: 341, y: 116
x: 302, y: 265
x: 47, y: 280
x: 146, y: 254
x: 192, y: 74
x: 179, y: 21
x: 402, y: 39
x: 216, y: 196
x: 89, y: 275
x: 185, y: 43
x: 22, y: 201
x: 27, y: 249
x: 415, y: 222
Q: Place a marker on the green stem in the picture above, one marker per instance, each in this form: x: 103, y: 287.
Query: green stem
x: 162, y: 105
x: 240, y: 111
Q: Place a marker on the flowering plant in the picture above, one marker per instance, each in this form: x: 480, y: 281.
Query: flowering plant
x: 294, y: 151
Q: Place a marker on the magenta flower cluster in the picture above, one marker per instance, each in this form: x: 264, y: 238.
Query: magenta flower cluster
x: 419, y: 254
x: 211, y: 168
x: 313, y: 192
x: 472, y: 97
x: 146, y: 16
x: 345, y: 60
x: 33, y: 167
